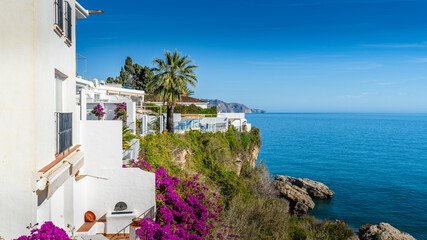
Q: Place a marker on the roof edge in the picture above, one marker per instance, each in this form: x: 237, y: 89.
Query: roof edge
x: 83, y: 12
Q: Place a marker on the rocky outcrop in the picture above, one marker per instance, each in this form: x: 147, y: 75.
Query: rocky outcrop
x: 382, y: 231
x: 300, y: 192
x: 239, y: 162
x: 181, y: 156
x: 254, y: 156
x: 250, y: 157
x: 299, y: 200
x: 315, y: 189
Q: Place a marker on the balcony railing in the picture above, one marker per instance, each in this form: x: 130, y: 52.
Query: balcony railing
x: 64, y: 132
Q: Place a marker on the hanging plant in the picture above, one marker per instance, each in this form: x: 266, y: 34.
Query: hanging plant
x: 120, y: 112
x: 98, y: 111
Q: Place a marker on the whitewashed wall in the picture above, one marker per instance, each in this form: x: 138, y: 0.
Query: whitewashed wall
x: 106, y: 182
x: 31, y: 53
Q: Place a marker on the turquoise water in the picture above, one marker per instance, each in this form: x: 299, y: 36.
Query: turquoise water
x: 375, y: 163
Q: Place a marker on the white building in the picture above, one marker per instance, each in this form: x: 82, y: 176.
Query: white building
x: 54, y: 166
x: 90, y: 94
x: 238, y: 120
x: 99, y: 91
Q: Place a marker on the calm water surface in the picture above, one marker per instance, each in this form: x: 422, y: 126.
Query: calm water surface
x: 375, y: 163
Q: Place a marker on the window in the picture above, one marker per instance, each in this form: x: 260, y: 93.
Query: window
x: 68, y: 20
x: 59, y: 14
x: 64, y: 131
x: 60, y: 77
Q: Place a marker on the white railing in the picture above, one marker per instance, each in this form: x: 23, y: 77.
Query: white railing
x: 131, y: 152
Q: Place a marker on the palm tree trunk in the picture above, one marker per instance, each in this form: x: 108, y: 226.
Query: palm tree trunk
x: 169, y: 118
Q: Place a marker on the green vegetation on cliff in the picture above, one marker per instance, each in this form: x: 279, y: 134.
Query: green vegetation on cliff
x: 253, y: 207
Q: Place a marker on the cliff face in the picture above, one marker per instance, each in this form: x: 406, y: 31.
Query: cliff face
x: 232, y: 107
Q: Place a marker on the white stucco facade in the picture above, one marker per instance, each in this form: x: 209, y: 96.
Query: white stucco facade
x: 37, y: 74
x: 37, y: 71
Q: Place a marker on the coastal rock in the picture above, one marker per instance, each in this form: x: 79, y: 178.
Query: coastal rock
x: 300, y: 200
x: 181, y: 156
x: 239, y: 163
x: 382, y: 231
x: 254, y: 155
x: 314, y: 189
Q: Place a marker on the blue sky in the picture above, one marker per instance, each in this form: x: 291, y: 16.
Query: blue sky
x: 277, y: 55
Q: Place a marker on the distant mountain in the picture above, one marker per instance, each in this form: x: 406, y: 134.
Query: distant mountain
x: 231, y: 107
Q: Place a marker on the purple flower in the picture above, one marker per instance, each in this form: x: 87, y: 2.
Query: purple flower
x: 120, y: 112
x: 186, y: 209
x: 98, y: 111
x: 47, y: 231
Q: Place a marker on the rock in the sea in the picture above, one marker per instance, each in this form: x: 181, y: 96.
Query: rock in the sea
x: 300, y: 201
x: 313, y: 188
x: 382, y: 231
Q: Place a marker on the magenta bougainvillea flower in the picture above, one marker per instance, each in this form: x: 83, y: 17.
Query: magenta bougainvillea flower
x: 47, y: 231
x: 120, y: 112
x: 98, y: 111
x: 186, y: 209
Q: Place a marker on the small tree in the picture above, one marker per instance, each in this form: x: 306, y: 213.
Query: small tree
x: 110, y: 80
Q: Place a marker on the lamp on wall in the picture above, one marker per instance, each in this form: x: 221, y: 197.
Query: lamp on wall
x: 96, y: 12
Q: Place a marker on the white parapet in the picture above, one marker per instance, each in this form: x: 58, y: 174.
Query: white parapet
x: 103, y: 182
x: 232, y: 115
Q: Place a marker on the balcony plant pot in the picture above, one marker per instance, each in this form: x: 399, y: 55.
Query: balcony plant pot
x: 136, y: 221
x: 90, y: 216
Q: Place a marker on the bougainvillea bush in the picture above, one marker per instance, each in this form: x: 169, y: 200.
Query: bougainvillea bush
x: 120, y: 112
x: 98, y: 111
x: 186, y: 209
x: 47, y: 231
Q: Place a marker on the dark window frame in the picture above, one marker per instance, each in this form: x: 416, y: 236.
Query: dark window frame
x: 69, y: 22
x: 64, y: 132
x: 59, y: 13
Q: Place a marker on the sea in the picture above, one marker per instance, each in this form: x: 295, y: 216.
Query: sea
x: 375, y: 163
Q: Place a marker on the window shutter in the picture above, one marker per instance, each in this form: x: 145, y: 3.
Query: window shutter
x: 59, y: 13
x: 69, y: 22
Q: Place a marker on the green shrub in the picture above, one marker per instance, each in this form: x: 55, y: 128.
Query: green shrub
x: 252, y: 206
x: 338, y: 230
x: 298, y: 233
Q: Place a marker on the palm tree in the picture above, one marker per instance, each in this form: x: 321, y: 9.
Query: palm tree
x: 173, y: 74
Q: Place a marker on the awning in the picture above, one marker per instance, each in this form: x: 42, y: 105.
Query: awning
x: 55, y: 174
